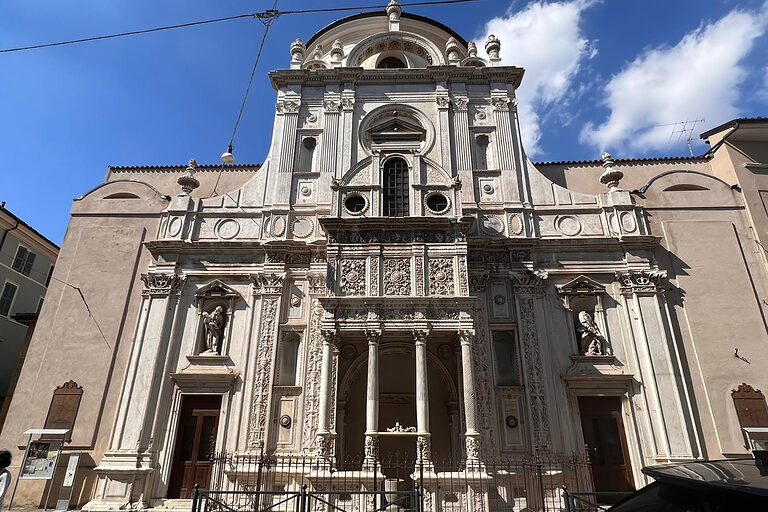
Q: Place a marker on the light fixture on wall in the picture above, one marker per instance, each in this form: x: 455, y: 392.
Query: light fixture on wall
x: 227, y: 157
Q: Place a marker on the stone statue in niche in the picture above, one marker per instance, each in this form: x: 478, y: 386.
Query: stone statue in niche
x: 213, y: 323
x: 592, y: 339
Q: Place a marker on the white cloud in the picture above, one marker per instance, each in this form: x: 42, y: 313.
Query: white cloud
x: 699, y: 77
x: 546, y: 40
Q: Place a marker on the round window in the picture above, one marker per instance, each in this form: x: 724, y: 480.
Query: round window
x: 437, y: 203
x: 355, y: 204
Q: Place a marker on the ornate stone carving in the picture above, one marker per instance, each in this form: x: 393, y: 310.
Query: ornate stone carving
x: 159, y: 285
x: 441, y: 280
x: 483, y: 377
x: 352, y: 279
x: 348, y: 103
x: 460, y: 102
x: 478, y: 281
x: 375, y: 287
x: 268, y: 282
x: 397, y: 276
x: 263, y: 378
x: 287, y: 107
x: 187, y: 181
x: 500, y: 103
x: 316, y: 283
x: 399, y: 428
x: 371, y: 447
x: 213, y: 323
x: 395, y: 44
x: 463, y: 279
x: 401, y: 236
x: 592, y: 340
x: 529, y: 282
x: 420, y: 275
x: 442, y: 101
x: 312, y: 381
x: 641, y: 281
x: 323, y: 446
x: 610, y: 177
x: 331, y: 106
x: 473, y: 447
x: 493, y: 47
x: 534, y: 372
x: 423, y: 449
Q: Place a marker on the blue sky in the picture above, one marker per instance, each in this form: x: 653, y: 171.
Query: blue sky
x: 600, y: 75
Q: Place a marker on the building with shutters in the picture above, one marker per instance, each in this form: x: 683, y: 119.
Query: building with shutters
x: 398, y: 277
x: 26, y: 265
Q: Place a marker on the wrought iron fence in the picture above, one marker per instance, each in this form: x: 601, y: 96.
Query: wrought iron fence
x: 247, y: 482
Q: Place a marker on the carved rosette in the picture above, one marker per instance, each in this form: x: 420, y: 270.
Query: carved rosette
x: 263, y: 381
x: 641, y: 281
x: 162, y: 285
x: 352, y: 278
x: 397, y: 276
x: 441, y: 280
x: 312, y: 385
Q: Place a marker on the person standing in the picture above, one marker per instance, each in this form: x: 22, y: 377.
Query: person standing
x: 5, y: 475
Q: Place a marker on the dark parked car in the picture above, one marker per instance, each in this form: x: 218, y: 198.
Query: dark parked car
x: 711, y: 486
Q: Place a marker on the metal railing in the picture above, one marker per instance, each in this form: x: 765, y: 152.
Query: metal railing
x: 252, y: 482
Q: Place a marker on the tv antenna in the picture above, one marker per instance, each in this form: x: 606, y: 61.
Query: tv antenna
x: 683, y: 129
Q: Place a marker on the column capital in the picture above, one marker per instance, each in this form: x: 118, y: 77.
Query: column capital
x: 161, y: 284
x: 420, y: 335
x: 373, y: 336
x: 330, y: 337
x: 268, y: 282
x: 466, y: 336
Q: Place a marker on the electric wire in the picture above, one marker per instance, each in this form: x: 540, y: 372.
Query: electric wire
x: 270, y: 14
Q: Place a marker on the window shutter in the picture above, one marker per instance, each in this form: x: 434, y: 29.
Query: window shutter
x: 7, y: 298
x: 18, y: 261
x: 28, y: 264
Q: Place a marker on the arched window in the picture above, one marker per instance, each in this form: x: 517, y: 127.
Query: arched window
x: 395, y: 188
x: 481, y: 151
x: 306, y: 153
x: 391, y: 63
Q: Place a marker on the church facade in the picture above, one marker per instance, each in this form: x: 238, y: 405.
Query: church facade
x: 398, y: 277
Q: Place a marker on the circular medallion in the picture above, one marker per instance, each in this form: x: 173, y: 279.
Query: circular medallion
x: 285, y: 421
x: 397, y: 277
x: 511, y: 421
x: 568, y: 225
x: 516, y: 224
x: 499, y: 300
x: 488, y: 188
x: 302, y: 227
x: 227, y: 229
x: 628, y: 223
x: 174, y: 226
x: 348, y: 352
x: 352, y: 276
x: 306, y: 191
x: 491, y: 225
x: 295, y: 301
x: 278, y: 226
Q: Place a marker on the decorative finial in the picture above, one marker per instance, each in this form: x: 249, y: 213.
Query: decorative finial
x: 337, y: 51
x: 394, y: 10
x: 472, y: 49
x: 452, y: 50
x: 493, y: 47
x: 298, y: 50
x: 318, y: 53
x: 610, y: 177
x: 188, y: 181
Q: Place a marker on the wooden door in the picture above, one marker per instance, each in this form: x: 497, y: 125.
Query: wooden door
x: 606, y: 443
x: 195, y: 444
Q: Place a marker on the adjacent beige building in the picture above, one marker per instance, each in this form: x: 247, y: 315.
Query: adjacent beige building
x: 397, y: 276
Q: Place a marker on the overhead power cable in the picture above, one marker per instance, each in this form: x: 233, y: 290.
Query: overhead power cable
x: 269, y: 14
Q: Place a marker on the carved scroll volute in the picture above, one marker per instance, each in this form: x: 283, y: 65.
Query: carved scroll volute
x: 268, y: 283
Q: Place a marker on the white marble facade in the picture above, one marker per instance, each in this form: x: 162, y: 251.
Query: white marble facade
x: 318, y: 286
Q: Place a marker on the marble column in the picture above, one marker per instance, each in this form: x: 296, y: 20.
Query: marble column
x: 423, y: 444
x: 472, y: 435
x: 326, y: 369
x: 372, y: 399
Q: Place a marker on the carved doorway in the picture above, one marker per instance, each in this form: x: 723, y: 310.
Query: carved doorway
x: 195, y: 444
x: 606, y: 443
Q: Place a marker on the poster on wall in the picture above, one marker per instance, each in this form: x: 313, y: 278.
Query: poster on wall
x: 40, y: 460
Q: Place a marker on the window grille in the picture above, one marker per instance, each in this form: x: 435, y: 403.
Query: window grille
x: 396, y: 188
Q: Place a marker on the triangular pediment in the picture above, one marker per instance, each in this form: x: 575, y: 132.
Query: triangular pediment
x: 397, y: 129
x: 217, y: 289
x: 581, y: 285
